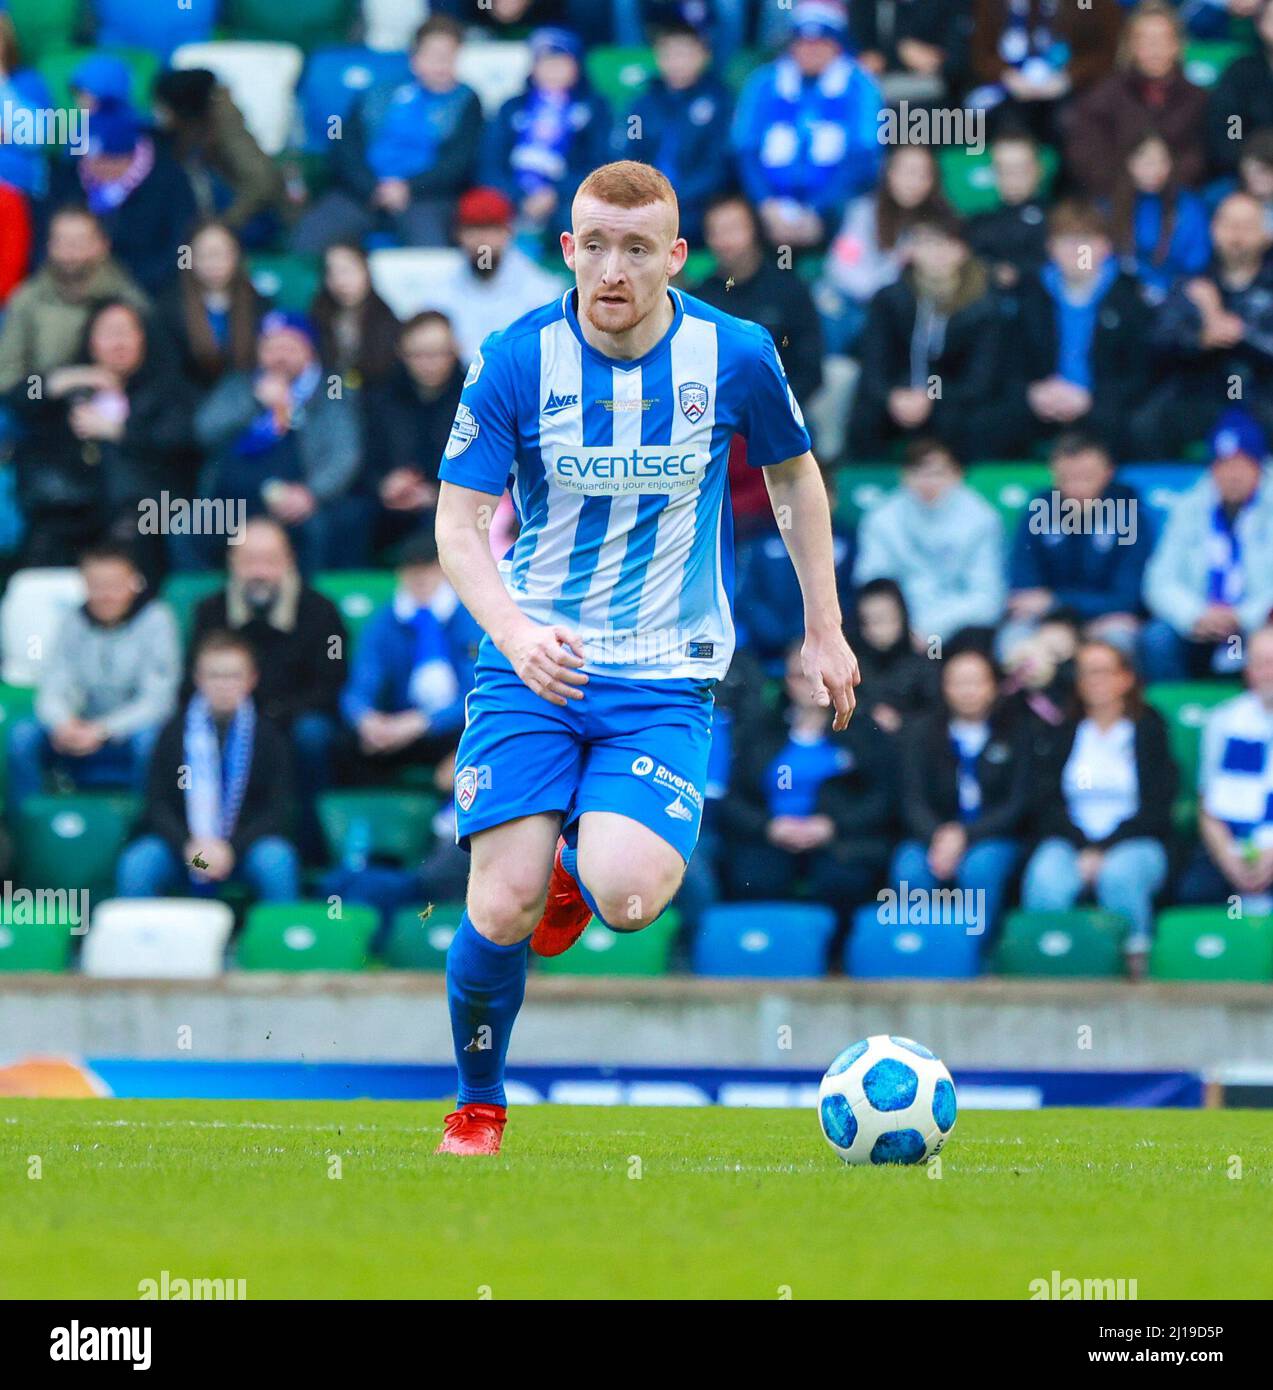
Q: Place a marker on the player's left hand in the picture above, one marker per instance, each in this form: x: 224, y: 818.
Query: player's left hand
x: 832, y: 671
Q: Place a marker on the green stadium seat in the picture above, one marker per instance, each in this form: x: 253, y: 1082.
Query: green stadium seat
x: 1206, y: 59
x: 698, y: 266
x: 1077, y: 944
x: 619, y: 73
x: 43, y: 945
x: 1185, y: 705
x: 422, y: 945
x: 287, y: 281
x: 183, y: 593
x: 968, y: 178
x: 307, y: 23
x: 1008, y: 487
x: 56, y: 69
x: 357, y: 593
x: 394, y: 825
x: 43, y: 25
x: 1204, y: 943
x: 74, y: 841
x: 741, y: 66
x: 303, y: 936
x: 860, y: 486
x: 600, y: 951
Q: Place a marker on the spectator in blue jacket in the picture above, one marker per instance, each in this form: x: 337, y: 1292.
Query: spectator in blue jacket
x: 1079, y: 546
x: 543, y: 142
x: 1161, y: 229
x: 806, y: 132
x: 405, y: 154
x: 680, y: 124
x: 413, y: 667
x: 23, y: 93
x: 770, y: 615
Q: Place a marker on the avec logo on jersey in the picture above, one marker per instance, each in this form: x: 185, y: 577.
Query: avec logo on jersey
x: 556, y: 403
x: 648, y: 468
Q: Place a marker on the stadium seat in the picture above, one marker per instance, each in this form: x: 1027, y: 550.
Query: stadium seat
x: 73, y: 841
x: 496, y: 71
x: 261, y: 78
x: 1185, y: 705
x: 34, y: 605
x: 1159, y: 487
x: 765, y: 940
x: 56, y: 69
x: 919, y: 948
x: 861, y: 486
x: 394, y: 825
x: 303, y: 936
x: 35, y: 945
x: 159, y: 28
x: 416, y: 944
x: 158, y: 939
x: 287, y: 280
x: 184, y: 591
x: 357, y: 593
x: 968, y: 178
x: 388, y: 25
x: 43, y: 25
x: 1077, y: 943
x: 335, y: 79
x: 1205, y: 60
x: 403, y: 276
x: 619, y: 73
x: 1204, y: 943
x: 741, y: 66
x: 307, y: 23
x: 600, y: 951
x: 1008, y: 487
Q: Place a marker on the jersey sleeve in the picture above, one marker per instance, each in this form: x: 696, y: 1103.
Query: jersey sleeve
x: 775, y: 428
x: 482, y: 445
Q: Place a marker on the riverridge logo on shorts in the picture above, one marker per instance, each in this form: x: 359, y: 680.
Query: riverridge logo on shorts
x: 466, y: 787
x: 671, y: 781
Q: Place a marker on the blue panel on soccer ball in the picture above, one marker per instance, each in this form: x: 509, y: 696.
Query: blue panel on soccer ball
x: 944, y: 1105
x: 846, y: 1058
x: 911, y: 1046
x: 890, y: 1085
x: 902, y: 1146
x: 838, y: 1121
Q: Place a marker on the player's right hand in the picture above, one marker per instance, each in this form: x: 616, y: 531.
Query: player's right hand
x: 547, y: 659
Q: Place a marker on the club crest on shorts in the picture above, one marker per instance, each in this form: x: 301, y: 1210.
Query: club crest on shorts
x: 466, y: 787
x: 693, y: 398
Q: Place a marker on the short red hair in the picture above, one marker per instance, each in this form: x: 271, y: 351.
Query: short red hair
x: 629, y: 184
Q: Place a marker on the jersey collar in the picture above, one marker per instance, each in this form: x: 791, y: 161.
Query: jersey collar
x: 624, y: 364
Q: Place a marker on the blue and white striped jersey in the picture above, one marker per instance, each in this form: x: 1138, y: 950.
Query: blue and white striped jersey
x: 618, y: 470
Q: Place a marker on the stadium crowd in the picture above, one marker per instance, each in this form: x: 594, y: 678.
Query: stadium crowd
x: 1039, y: 378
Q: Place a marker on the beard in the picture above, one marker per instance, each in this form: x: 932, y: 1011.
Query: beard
x: 613, y: 318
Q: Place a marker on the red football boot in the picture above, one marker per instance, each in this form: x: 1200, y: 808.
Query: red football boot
x: 565, y: 912
x: 474, y: 1129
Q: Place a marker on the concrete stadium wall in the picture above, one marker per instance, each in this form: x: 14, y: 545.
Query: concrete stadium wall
x: 402, y: 1018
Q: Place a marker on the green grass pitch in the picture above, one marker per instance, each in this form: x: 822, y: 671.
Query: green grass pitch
x: 610, y: 1202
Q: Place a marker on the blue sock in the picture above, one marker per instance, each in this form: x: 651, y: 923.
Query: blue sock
x: 570, y: 862
x: 485, y: 983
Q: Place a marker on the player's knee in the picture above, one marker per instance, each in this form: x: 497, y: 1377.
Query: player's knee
x: 505, y: 911
x: 633, y: 906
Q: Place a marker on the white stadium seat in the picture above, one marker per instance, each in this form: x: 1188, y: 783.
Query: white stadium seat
x: 261, y: 78
x: 157, y: 939
x: 388, y: 25
x: 34, y: 604
x: 404, y: 276
x: 495, y: 70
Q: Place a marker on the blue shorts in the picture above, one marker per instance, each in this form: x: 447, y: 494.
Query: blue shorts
x: 637, y: 748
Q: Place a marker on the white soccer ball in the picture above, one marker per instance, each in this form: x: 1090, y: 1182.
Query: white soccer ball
x: 886, y: 1100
